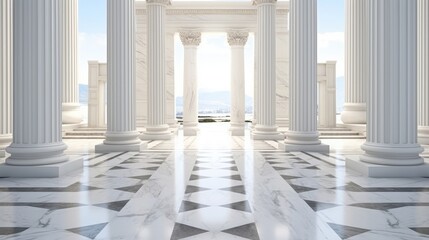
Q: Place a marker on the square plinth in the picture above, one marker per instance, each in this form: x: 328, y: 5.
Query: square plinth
x: 107, y: 148
x: 42, y: 171
x: 385, y: 171
x: 320, y: 148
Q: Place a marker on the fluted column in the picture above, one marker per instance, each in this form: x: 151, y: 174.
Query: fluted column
x: 237, y: 40
x: 356, y: 71
x: 423, y: 70
x: 391, y: 148
x: 302, y: 134
x: 191, y: 41
x: 157, y: 127
x: 266, y: 128
x: 37, y: 149
x: 71, y: 113
x: 256, y: 100
x: 5, y: 74
x: 121, y: 132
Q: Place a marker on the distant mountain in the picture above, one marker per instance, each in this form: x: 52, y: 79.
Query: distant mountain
x: 214, y: 102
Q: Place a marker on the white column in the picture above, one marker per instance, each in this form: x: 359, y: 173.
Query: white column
x: 37, y: 149
x: 423, y: 70
x: 237, y: 40
x: 157, y: 127
x: 391, y: 148
x: 5, y: 74
x: 71, y: 113
x: 302, y: 134
x: 170, y: 97
x: 266, y: 128
x: 256, y: 100
x: 356, y: 71
x: 190, y: 41
x: 121, y: 132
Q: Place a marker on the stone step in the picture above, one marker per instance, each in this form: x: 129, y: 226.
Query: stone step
x: 83, y: 137
x: 342, y: 137
x: 333, y: 129
x: 338, y: 133
x: 85, y: 133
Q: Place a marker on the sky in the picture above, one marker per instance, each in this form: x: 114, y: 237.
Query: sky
x: 213, y: 52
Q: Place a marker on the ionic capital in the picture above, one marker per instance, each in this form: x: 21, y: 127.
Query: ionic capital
x: 257, y: 2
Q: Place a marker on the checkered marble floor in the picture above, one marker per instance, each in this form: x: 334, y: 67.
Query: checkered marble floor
x: 214, y: 194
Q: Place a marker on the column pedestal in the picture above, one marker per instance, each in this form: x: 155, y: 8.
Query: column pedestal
x: 302, y: 134
x: 391, y: 148
x: 37, y: 149
x: 157, y: 127
x: 265, y: 128
x: 121, y: 134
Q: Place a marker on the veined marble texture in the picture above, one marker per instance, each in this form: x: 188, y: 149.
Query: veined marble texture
x: 213, y: 186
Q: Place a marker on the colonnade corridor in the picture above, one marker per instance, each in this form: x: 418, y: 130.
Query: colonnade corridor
x: 213, y: 186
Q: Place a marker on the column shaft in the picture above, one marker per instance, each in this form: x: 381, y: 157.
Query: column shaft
x: 303, y: 134
x: 266, y: 128
x: 423, y: 70
x: 237, y: 40
x: 121, y: 132
x: 37, y: 84
x: 71, y: 113
x: 191, y: 41
x: 157, y: 127
x: 392, y: 123
x: 6, y: 58
x: 356, y: 71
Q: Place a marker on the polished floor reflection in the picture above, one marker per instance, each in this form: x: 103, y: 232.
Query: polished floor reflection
x: 214, y: 187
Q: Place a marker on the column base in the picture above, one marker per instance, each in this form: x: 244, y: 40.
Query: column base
x: 320, y: 148
x: 386, y: 171
x: 261, y: 132
x: 190, y: 129
x: 36, y: 154
x: 161, y: 132
x: 423, y: 135
x: 71, y: 113
x: 42, y: 171
x: 354, y: 113
x: 108, y: 148
x: 2, y: 153
x: 237, y: 129
x: 392, y: 155
x: 5, y: 141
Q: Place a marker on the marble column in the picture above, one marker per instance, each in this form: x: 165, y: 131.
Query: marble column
x: 157, y: 127
x: 391, y: 148
x: 237, y: 40
x: 266, y: 128
x: 121, y: 132
x: 302, y: 134
x: 190, y: 41
x: 5, y: 74
x: 423, y: 70
x: 256, y: 100
x: 356, y: 61
x: 37, y: 149
x: 71, y: 113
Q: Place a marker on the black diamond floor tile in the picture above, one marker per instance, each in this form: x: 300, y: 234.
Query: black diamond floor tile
x: 189, y: 206
x: 183, y: 231
x: 346, y: 231
x: 248, y: 231
x: 240, y: 206
x: 89, y: 231
x: 115, y: 206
